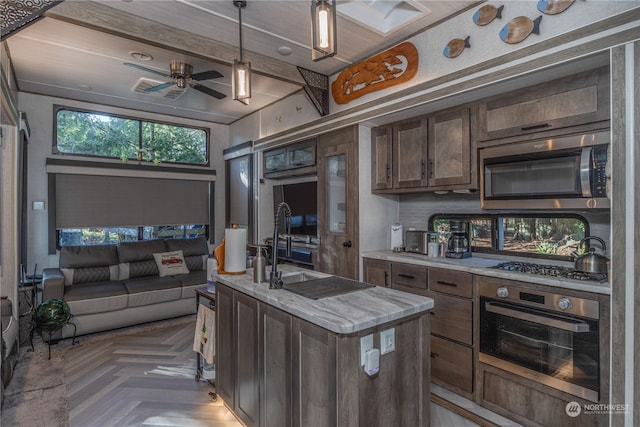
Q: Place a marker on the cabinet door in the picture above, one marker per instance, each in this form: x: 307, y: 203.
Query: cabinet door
x: 275, y: 160
x: 338, y: 203
x: 451, y: 364
x: 449, y: 148
x: 302, y: 154
x: 247, y: 351
x: 575, y: 100
x: 452, y: 317
x: 225, y: 361
x: 314, y: 375
x: 410, y: 154
x: 275, y: 387
x: 381, y: 158
x: 376, y: 272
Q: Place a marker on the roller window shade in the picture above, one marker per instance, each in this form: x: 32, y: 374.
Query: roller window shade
x: 115, y: 201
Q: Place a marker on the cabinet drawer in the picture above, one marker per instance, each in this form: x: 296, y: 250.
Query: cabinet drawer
x: 451, y: 282
x: 409, y: 275
x: 452, y: 317
x: 452, y: 363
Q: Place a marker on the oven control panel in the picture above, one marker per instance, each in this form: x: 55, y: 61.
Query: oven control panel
x: 540, y: 299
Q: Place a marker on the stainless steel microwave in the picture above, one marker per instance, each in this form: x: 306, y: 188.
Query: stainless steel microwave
x: 568, y: 172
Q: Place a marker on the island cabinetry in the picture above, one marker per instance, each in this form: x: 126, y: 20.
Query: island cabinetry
x: 452, y: 330
x: 296, y: 373
x: 377, y: 272
x: 570, y: 101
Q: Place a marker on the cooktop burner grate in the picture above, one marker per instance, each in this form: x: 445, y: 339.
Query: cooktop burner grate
x: 551, y: 270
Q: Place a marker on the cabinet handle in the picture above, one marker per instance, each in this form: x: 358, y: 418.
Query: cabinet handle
x: 455, y: 285
x: 406, y: 276
x: 386, y: 279
x: 433, y: 313
x: 542, y: 126
x: 434, y: 355
x: 423, y: 169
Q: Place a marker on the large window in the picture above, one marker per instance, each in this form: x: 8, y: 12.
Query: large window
x: 105, y: 135
x: 550, y: 236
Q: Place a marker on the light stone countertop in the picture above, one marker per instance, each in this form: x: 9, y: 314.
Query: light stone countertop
x: 480, y: 265
x: 343, y: 314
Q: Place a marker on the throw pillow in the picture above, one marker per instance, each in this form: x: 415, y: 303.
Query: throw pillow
x: 170, y: 263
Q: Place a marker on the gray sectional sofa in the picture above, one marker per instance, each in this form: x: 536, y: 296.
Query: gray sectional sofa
x: 112, y: 286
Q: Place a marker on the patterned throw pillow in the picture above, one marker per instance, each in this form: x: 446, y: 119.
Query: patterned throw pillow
x: 171, y: 263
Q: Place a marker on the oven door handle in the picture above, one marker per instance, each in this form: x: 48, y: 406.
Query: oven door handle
x: 543, y: 320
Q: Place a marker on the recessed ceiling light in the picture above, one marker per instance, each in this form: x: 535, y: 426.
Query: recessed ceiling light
x: 84, y: 87
x: 284, y: 50
x: 141, y: 56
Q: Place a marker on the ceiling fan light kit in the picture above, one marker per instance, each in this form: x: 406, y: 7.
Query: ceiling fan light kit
x: 323, y: 29
x: 241, y: 77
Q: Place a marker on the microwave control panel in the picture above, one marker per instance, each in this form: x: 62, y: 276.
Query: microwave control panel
x: 599, y: 176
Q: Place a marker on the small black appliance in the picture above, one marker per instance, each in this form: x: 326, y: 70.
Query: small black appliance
x: 459, y: 245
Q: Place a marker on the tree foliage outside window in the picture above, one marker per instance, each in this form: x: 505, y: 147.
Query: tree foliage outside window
x: 554, y: 237
x: 104, y: 135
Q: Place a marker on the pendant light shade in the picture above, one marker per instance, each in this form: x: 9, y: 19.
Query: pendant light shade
x: 323, y: 29
x: 241, y: 75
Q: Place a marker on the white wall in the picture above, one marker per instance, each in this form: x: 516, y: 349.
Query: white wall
x: 40, y: 113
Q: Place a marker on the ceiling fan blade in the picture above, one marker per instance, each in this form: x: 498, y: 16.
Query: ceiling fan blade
x: 149, y: 70
x: 206, y: 75
x: 159, y: 87
x: 209, y: 91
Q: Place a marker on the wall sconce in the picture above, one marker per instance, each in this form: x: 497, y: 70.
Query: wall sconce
x: 323, y: 29
x: 241, y: 77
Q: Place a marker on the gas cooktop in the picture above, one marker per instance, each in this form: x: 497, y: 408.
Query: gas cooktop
x: 551, y: 270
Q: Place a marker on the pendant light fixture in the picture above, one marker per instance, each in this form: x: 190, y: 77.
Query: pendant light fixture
x: 241, y: 77
x: 323, y: 29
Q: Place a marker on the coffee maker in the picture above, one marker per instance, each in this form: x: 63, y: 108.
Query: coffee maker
x: 459, y: 245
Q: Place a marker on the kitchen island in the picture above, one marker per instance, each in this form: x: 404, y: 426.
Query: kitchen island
x: 287, y: 360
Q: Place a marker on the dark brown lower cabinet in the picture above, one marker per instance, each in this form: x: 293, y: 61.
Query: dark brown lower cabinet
x: 275, y: 369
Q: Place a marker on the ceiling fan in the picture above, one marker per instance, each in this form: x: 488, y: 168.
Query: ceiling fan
x: 181, y: 75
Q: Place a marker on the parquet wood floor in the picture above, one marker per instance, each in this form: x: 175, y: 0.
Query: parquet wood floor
x: 141, y: 380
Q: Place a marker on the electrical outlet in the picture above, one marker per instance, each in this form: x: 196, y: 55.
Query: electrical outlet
x: 366, y: 343
x: 387, y: 341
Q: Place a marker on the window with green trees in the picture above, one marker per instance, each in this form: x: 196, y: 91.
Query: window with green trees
x: 548, y: 236
x: 105, y: 135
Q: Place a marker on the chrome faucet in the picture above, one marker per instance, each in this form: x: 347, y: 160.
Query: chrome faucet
x: 275, y: 280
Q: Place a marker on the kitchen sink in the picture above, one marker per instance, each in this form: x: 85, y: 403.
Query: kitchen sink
x: 300, y: 277
x: 315, y: 288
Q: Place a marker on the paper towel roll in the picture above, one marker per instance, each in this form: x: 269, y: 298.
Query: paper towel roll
x: 235, y: 250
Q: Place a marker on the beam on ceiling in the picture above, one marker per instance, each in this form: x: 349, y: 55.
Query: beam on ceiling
x: 103, y: 18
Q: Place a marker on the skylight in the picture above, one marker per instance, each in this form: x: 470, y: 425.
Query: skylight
x: 382, y: 16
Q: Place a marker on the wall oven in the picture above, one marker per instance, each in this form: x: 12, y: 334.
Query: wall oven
x: 564, y: 172
x: 546, y: 337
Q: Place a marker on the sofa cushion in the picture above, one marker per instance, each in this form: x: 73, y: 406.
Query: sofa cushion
x: 94, y: 290
x: 100, y: 297
x: 136, y: 258
x: 195, y: 251
x: 193, y: 278
x: 86, y: 264
x: 170, y: 263
x: 152, y: 290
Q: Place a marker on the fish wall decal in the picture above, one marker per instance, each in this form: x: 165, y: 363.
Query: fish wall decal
x: 554, y: 7
x: 487, y: 13
x: 519, y: 29
x: 455, y: 47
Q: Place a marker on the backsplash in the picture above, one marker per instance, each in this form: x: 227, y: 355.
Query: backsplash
x: 415, y: 210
